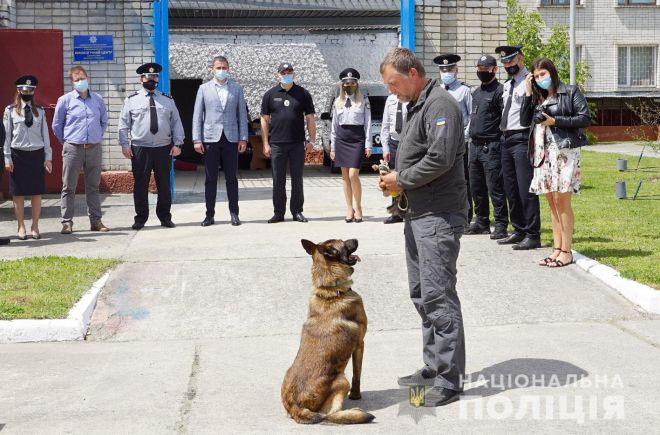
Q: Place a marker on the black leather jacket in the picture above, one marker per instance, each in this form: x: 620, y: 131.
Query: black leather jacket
x: 569, y: 109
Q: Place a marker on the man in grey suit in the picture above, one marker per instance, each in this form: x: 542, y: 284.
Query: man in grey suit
x: 220, y: 131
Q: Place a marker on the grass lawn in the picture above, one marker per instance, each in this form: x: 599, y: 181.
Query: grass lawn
x: 46, y: 287
x: 623, y: 234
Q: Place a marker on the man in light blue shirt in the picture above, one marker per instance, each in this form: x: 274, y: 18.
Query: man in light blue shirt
x: 79, y: 123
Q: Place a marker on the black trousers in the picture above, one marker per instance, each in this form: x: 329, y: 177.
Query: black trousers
x: 158, y: 160
x: 292, y: 154
x: 466, y: 171
x: 394, y: 145
x: 213, y: 153
x: 517, y: 172
x: 485, y: 179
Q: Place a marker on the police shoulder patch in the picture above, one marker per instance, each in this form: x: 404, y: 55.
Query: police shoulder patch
x: 132, y: 95
x: 440, y: 122
x: 166, y: 95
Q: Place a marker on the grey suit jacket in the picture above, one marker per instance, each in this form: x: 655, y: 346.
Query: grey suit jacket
x: 210, y: 119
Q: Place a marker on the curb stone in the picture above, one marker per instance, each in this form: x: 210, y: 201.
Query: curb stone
x: 639, y: 294
x: 74, y: 327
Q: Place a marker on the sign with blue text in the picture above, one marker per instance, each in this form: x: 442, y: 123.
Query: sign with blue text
x: 92, y: 47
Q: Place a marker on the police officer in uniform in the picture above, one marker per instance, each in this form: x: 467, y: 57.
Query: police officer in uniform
x: 389, y: 136
x: 350, y: 139
x: 3, y: 240
x: 284, y: 110
x: 429, y: 170
x: 517, y: 170
x: 461, y: 93
x: 150, y: 134
x: 485, y: 152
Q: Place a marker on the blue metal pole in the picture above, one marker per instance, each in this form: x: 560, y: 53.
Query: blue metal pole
x: 408, y: 24
x: 161, y: 55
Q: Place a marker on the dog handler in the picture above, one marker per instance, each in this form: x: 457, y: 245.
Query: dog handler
x: 429, y: 166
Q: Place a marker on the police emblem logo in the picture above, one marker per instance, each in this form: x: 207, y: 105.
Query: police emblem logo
x: 417, y: 395
x: 28, y: 82
x: 483, y: 58
x: 151, y: 69
x: 349, y: 74
x: 286, y: 65
x: 502, y: 53
x: 286, y: 103
x: 445, y: 61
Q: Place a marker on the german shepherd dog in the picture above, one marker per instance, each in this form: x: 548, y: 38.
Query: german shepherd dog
x: 315, y: 387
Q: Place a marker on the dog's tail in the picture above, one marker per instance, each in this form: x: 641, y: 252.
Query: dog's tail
x: 349, y: 416
x: 304, y: 415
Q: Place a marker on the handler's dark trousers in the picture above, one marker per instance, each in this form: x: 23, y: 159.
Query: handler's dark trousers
x: 466, y: 171
x: 294, y: 155
x: 485, y: 179
x: 517, y: 172
x: 432, y: 247
x: 228, y: 152
x: 146, y: 159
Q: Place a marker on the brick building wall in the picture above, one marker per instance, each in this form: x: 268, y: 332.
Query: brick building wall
x: 601, y: 27
x: 468, y: 28
x: 130, y: 23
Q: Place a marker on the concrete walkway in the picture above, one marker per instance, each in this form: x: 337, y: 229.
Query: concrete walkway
x: 624, y: 148
x: 194, y: 331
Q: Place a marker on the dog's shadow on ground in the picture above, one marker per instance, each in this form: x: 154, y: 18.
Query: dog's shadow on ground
x: 507, y: 375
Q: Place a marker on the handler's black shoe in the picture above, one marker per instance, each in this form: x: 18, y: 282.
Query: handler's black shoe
x: 137, y: 226
x: 167, y: 224
x: 424, y: 376
x: 393, y: 219
x: 208, y: 221
x: 276, y: 218
x: 511, y: 239
x: 527, y: 243
x: 475, y: 228
x: 438, y: 396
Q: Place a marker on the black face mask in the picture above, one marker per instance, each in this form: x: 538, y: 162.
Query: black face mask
x: 485, y: 76
x: 27, y: 97
x: 149, y: 85
x: 512, y: 70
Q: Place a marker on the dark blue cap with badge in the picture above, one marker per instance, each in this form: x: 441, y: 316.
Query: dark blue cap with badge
x: 349, y: 74
x: 284, y: 66
x: 26, y: 82
x: 446, y: 60
x: 149, y: 68
x: 486, y: 60
x: 508, y: 52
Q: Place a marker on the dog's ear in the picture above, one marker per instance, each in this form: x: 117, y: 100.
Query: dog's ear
x: 309, y: 246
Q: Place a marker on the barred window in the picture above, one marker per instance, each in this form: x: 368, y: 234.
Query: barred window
x: 634, y: 2
x: 559, y: 2
x: 636, y: 66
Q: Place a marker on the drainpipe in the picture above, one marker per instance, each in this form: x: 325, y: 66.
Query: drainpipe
x: 161, y: 49
x: 408, y: 24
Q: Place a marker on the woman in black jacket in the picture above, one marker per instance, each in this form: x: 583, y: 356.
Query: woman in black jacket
x: 557, y: 112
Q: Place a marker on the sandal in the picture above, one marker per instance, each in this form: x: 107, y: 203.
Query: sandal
x: 559, y: 263
x: 548, y: 260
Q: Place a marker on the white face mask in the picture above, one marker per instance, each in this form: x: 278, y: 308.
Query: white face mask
x: 81, y: 85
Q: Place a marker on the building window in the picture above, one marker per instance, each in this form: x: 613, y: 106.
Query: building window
x: 636, y: 66
x: 635, y: 2
x: 560, y: 2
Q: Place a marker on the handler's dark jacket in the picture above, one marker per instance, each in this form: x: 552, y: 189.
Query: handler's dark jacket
x: 430, y: 155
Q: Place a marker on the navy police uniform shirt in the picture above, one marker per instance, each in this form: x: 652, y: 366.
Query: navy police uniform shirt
x: 287, y: 110
x: 487, y: 107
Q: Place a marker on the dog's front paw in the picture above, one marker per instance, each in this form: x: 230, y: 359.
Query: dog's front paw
x: 355, y: 395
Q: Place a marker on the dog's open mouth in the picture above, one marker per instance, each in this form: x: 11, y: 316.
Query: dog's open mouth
x: 352, y: 259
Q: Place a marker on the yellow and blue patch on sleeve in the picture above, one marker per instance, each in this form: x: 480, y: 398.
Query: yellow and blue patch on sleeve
x: 440, y: 122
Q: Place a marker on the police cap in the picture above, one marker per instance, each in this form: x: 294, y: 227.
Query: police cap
x: 508, y: 52
x: 349, y: 74
x: 486, y: 60
x: 149, y: 68
x: 447, y: 60
x: 284, y: 66
x: 26, y: 82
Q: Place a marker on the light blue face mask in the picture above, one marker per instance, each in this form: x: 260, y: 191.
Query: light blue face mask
x: 287, y: 79
x: 81, y: 86
x: 545, y: 83
x: 221, y: 74
x: 448, y: 78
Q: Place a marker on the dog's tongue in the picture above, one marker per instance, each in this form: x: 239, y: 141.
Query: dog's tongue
x: 355, y: 257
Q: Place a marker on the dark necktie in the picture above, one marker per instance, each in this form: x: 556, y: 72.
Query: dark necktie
x: 29, y: 118
x: 398, y: 124
x: 505, y: 115
x: 153, y: 114
x: 348, y: 102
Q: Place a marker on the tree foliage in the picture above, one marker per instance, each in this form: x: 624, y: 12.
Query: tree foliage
x: 526, y: 27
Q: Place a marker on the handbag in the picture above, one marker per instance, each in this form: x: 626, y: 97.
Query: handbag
x: 569, y: 137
